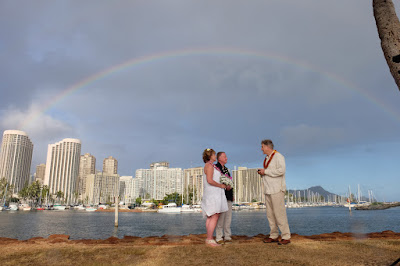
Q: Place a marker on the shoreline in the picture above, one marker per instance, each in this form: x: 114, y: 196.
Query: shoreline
x: 196, y: 239
x: 126, y: 210
x: 383, y: 206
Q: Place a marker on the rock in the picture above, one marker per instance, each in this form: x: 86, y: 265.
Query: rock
x: 6, y: 240
x: 131, y: 238
x: 66, y: 237
x: 111, y: 240
x: 58, y: 240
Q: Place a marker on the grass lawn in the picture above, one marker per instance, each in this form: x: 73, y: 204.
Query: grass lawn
x: 301, y: 252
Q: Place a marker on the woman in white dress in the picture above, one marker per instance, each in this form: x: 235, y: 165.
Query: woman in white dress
x: 214, y: 199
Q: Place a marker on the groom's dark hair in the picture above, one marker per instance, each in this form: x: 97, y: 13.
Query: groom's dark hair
x: 219, y: 154
x: 268, y: 142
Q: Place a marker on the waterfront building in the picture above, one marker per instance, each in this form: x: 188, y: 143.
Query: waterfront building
x: 129, y: 189
x: 40, y: 172
x: 110, y: 165
x: 193, y: 184
x: 62, y: 168
x: 159, y: 181
x: 16, y: 158
x: 122, y: 187
x: 101, y: 188
x: 247, y: 185
x: 87, y: 166
x: 158, y: 164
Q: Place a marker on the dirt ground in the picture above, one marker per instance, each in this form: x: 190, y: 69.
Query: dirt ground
x: 326, y: 249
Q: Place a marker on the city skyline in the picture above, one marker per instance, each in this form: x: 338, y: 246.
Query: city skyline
x: 189, y: 176
x: 153, y: 81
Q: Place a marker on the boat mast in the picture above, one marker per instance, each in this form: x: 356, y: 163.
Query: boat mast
x: 5, y: 194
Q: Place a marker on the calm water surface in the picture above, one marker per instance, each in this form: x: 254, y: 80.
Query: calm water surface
x: 100, y: 225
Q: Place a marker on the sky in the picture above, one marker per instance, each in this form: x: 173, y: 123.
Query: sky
x: 147, y: 81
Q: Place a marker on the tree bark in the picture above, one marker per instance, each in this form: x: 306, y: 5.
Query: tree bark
x: 388, y: 26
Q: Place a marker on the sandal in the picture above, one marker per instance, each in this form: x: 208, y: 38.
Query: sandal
x: 212, y: 243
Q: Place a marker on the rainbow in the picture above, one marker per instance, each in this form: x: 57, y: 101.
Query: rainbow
x: 197, y: 52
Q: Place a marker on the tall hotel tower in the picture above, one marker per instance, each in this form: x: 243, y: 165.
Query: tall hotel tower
x: 62, y: 167
x: 87, y: 167
x: 16, y: 158
x: 40, y: 172
x: 110, y: 165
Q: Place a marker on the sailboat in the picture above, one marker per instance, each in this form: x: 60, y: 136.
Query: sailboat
x: 170, y: 208
x: 2, y: 207
x: 40, y: 208
x: 91, y: 209
x: 348, y: 204
x: 187, y: 208
x: 361, y: 202
x: 13, y: 207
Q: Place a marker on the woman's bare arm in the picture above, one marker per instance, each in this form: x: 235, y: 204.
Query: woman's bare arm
x: 209, y: 171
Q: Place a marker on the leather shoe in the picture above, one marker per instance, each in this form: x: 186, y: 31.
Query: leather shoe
x: 221, y: 242
x: 284, y: 242
x: 270, y: 240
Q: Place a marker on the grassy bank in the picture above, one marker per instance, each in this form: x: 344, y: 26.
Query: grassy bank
x: 244, y: 251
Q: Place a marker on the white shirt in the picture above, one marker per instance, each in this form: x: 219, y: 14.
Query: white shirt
x: 274, y: 177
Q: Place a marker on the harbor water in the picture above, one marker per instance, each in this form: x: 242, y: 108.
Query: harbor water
x: 100, y: 225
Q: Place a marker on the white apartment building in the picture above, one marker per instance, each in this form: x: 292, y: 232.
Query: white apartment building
x: 129, y: 189
x: 16, y: 158
x: 87, y: 166
x: 62, y: 167
x: 110, y: 165
x: 159, y: 181
x: 158, y: 164
x: 122, y: 186
x: 193, y: 183
x: 101, y: 188
x: 247, y: 185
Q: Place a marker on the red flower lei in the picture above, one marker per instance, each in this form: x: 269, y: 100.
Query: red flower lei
x: 269, y: 160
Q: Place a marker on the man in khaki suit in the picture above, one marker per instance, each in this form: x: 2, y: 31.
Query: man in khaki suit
x: 273, y: 178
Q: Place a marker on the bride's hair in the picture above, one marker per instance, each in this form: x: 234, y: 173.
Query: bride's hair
x: 207, y: 153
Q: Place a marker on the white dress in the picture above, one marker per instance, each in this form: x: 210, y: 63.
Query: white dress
x: 214, y: 199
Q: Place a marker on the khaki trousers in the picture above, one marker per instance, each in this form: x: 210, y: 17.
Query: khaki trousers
x: 276, y: 214
x: 223, y: 228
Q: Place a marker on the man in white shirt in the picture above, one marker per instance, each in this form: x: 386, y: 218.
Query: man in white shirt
x: 273, y: 178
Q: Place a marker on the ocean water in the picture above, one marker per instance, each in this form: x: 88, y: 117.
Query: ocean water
x: 100, y: 225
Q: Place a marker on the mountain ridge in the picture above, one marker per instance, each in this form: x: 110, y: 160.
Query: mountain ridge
x: 315, y: 189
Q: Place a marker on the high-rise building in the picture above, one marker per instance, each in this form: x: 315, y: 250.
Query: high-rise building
x: 193, y: 185
x: 159, y: 181
x: 247, y: 185
x: 110, y: 165
x: 129, y: 189
x: 16, y: 158
x: 87, y: 166
x: 40, y: 172
x: 158, y: 164
x: 62, y: 168
x: 101, y: 188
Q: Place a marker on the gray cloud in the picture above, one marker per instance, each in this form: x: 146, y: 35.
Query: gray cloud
x: 302, y: 137
x: 309, y: 94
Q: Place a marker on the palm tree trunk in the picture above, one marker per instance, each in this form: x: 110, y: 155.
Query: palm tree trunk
x: 388, y: 26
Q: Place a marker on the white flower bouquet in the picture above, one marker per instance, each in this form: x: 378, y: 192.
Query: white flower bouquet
x: 226, y: 180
